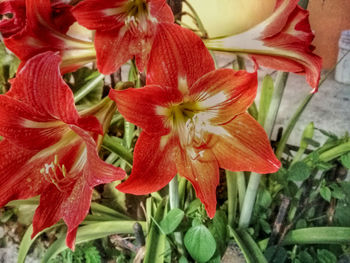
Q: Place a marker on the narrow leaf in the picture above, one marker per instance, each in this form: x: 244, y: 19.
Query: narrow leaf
x: 92, y: 232
x: 318, y: 235
x: 155, y: 243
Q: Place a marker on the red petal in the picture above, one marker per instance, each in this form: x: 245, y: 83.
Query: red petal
x: 40, y: 85
x: 245, y: 147
x: 72, y: 206
x: 113, y: 49
x: 45, y: 30
x: 17, y: 181
x: 96, y: 171
x: 99, y: 15
x: 282, y: 42
x: 203, y: 173
x: 10, y: 26
x: 296, y: 37
x: 139, y: 106
x: 23, y: 125
x: 160, y: 10
x: 225, y: 93
x: 154, y: 165
x: 173, y: 60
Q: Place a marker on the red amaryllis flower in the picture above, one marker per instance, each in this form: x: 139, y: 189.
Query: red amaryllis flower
x: 193, y: 118
x: 48, y: 148
x: 124, y: 29
x: 46, y: 26
x: 282, y: 41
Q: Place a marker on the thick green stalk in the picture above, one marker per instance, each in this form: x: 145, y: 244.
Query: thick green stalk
x: 174, y: 193
x: 280, y: 84
x: 175, y: 203
x: 249, y: 200
x: 231, y: 196
x: 241, y: 188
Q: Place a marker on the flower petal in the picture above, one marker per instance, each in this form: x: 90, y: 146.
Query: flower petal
x: 114, y: 49
x: 17, y: 181
x: 224, y: 93
x: 45, y: 30
x: 172, y: 60
x: 96, y: 171
x: 153, y: 167
x: 282, y: 41
x: 72, y: 206
x: 23, y: 125
x: 161, y: 11
x: 11, y: 25
x: 202, y: 171
x: 100, y: 15
x: 46, y: 91
x: 245, y: 147
x: 141, y: 106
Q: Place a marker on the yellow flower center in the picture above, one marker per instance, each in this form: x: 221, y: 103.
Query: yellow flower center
x: 186, y: 120
x: 137, y: 14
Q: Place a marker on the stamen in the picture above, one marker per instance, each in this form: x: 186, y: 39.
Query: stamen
x: 56, y: 174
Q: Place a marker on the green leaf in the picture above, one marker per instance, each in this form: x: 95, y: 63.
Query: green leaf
x: 318, y: 235
x: 219, y: 231
x: 345, y: 160
x: 92, y: 232
x: 264, y: 198
x: 325, y: 256
x: 276, y: 254
x: 27, y: 242
x: 172, y: 220
x: 305, y: 257
x: 193, y: 206
x: 200, y: 243
x: 87, y: 86
x: 155, y: 243
x: 265, y: 99
x: 112, y: 144
x: 299, y: 171
x: 326, y: 193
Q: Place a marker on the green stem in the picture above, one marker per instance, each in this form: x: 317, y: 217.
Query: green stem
x: 249, y: 200
x: 174, y: 193
x: 231, y: 196
x: 114, y: 146
x: 175, y: 203
x: 282, y: 143
x: 280, y: 84
x: 241, y: 188
x: 87, y: 88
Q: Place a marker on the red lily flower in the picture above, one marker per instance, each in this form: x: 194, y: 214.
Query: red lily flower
x: 48, y: 149
x: 282, y: 41
x: 193, y: 118
x: 124, y: 29
x: 46, y: 26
